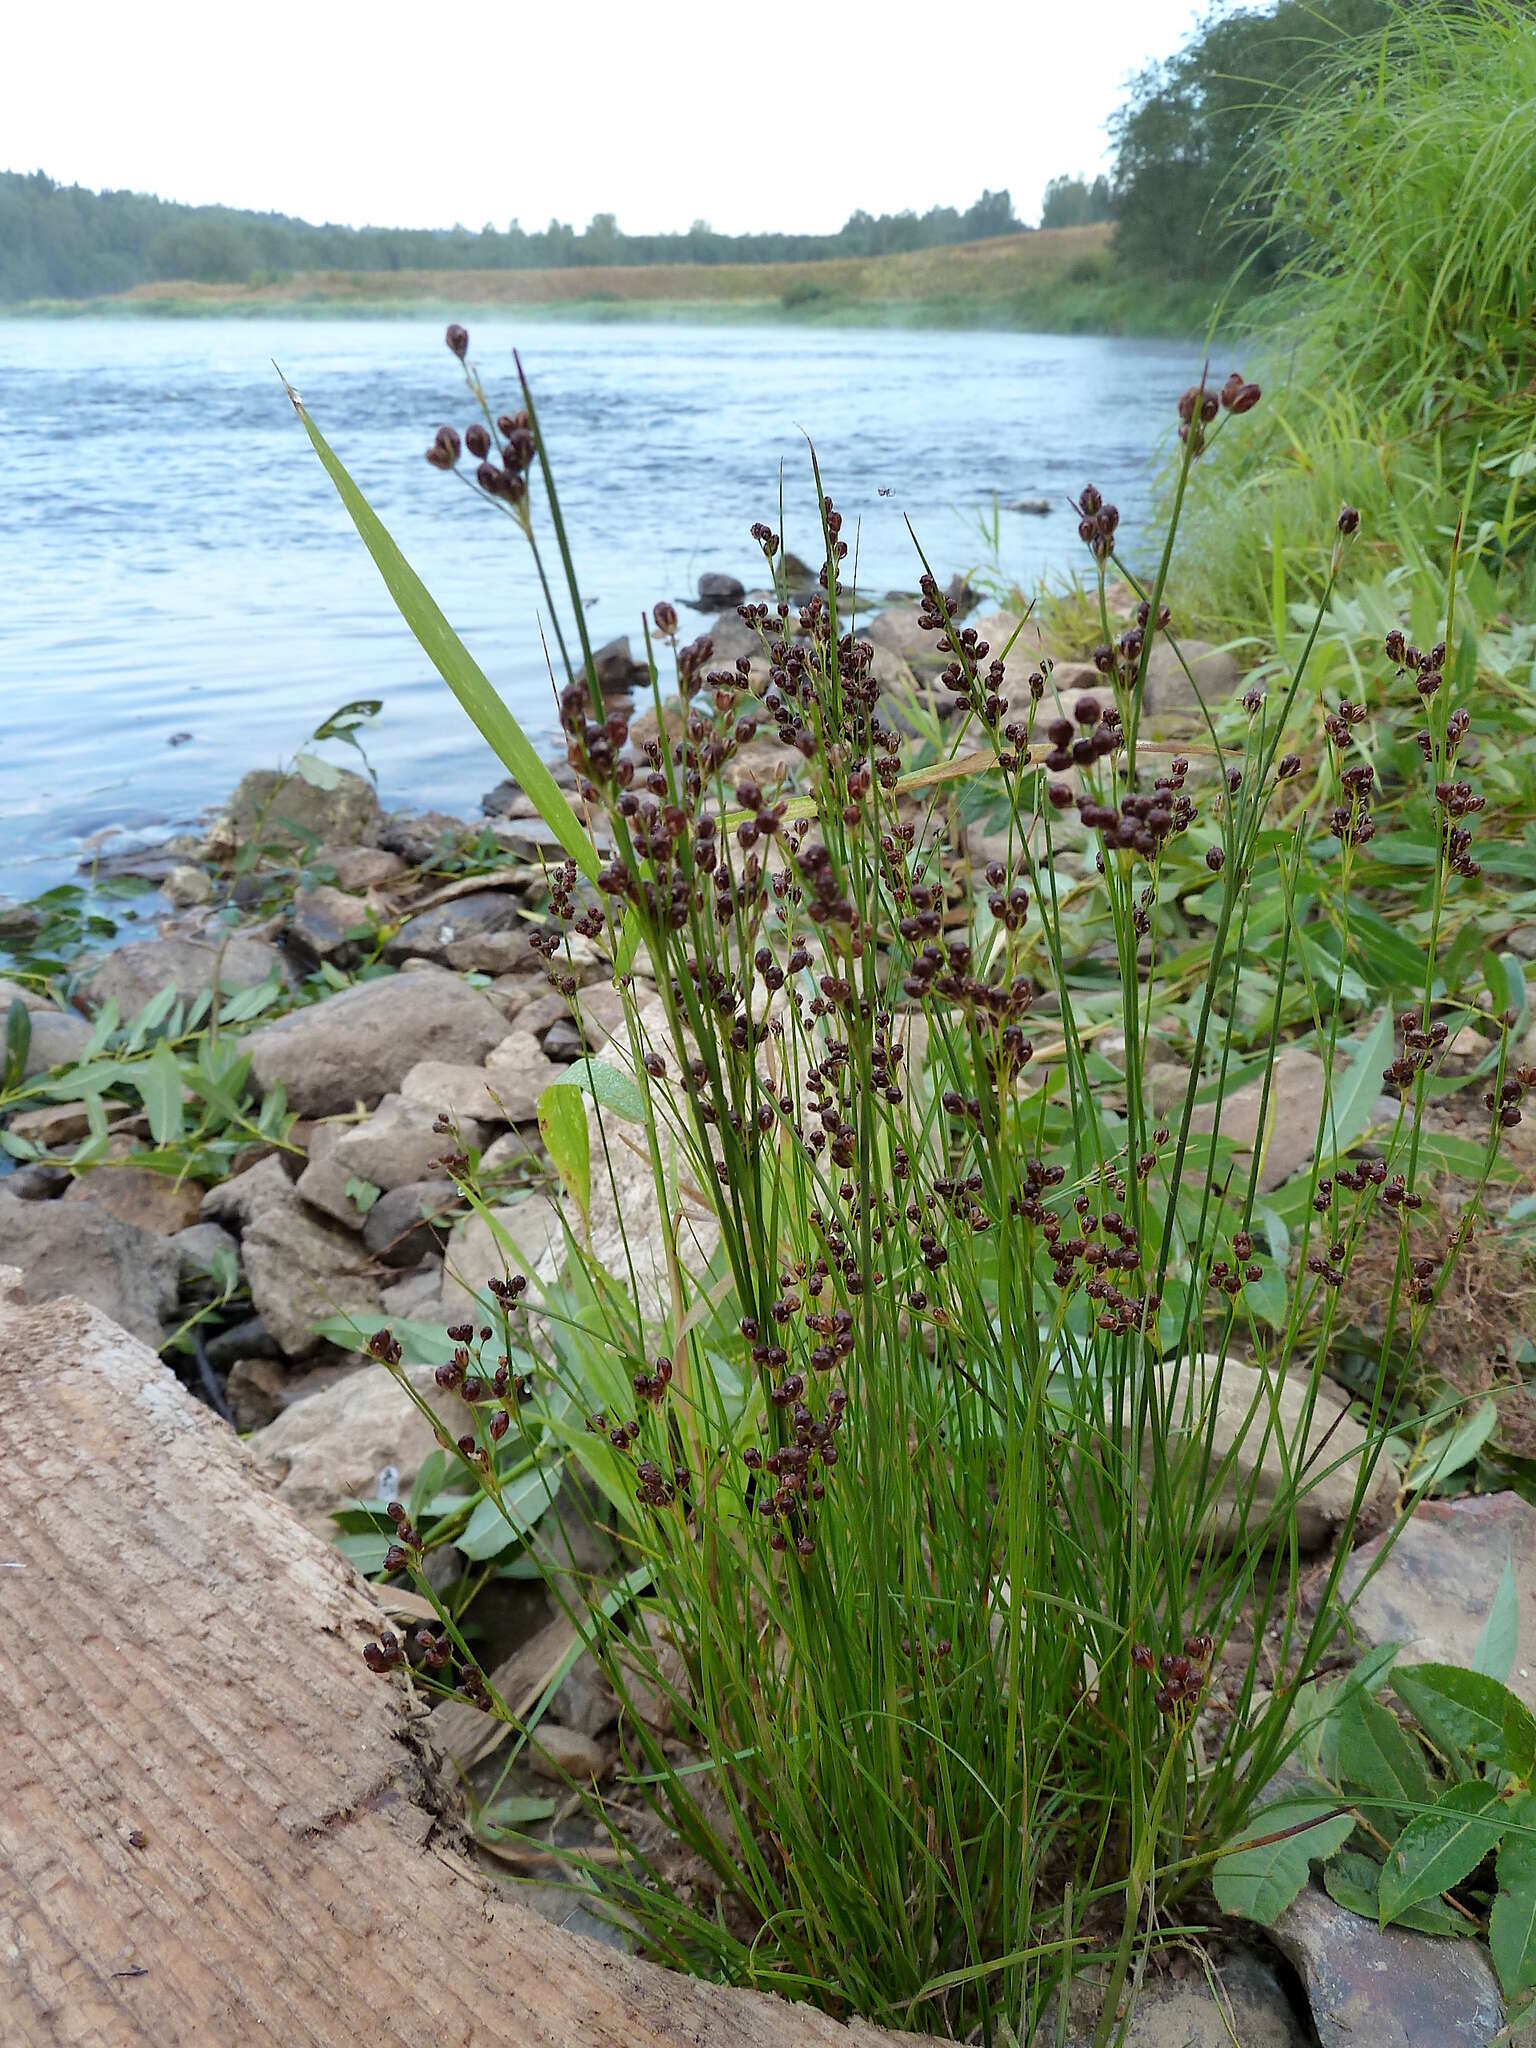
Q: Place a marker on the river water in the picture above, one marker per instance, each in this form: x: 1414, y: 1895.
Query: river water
x: 182, y: 596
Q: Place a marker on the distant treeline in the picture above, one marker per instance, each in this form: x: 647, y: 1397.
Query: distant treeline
x: 62, y: 242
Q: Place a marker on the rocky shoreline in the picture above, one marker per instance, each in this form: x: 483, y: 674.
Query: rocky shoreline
x: 370, y: 980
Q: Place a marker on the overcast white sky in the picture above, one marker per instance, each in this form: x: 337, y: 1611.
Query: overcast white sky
x: 371, y: 111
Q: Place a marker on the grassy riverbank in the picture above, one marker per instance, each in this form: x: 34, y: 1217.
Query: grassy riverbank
x: 1060, y: 280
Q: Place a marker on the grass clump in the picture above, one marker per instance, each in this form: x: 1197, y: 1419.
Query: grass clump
x: 1400, y: 340
x: 934, y: 1365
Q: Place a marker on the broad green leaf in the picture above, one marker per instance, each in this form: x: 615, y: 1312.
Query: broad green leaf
x: 1454, y: 1449
x: 1466, y: 1713
x: 420, y: 1343
x: 563, y: 1127
x: 365, y: 1549
x: 1378, y: 1757
x: 1355, y: 1098
x: 108, y: 1017
x: 1496, y: 1646
x: 607, y: 1085
x: 492, y: 1527
x: 1266, y: 1869
x: 1512, y: 1927
x: 158, y: 1080
x: 250, y: 1002
x: 362, y: 1194
x: 1352, y: 1881
x: 1439, y: 1848
x: 318, y: 772
x: 152, y: 1016
x: 454, y: 663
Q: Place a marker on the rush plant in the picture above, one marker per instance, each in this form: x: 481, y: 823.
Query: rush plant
x: 950, y: 1384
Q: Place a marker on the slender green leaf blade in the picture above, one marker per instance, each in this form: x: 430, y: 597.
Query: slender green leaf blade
x: 453, y: 661
x: 1261, y: 1876
x: 1512, y: 1927
x: 158, y: 1081
x: 1439, y: 1848
x: 1356, y: 1095
x: 1496, y: 1646
x: 492, y: 1527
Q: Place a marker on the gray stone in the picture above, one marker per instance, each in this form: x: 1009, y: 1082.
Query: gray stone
x: 241, y: 1198
x: 399, y: 1143
x: 563, y: 1042
x: 511, y: 1154
x: 1435, y: 1588
x: 544, y: 1008
x: 1249, y: 2007
x: 276, y: 809
x: 1213, y: 678
x: 898, y: 632
x: 414, y: 1296
x: 1387, y: 1987
x: 519, y: 1073
x: 601, y: 1010
x: 139, y: 1195
x: 564, y: 1753
x: 302, y: 1269
x: 247, y: 1339
x: 332, y: 1448
x: 358, y: 868
x: 616, y: 668
x: 323, y: 1183
x: 717, y: 591
x: 197, y: 1248
x: 36, y: 1182
x: 1295, y: 1111
x: 254, y: 1389
x: 82, y: 1249
x: 1522, y: 940
x: 420, y: 836
x: 136, y: 973
x: 475, y: 1256
x: 1253, y: 1416
x: 411, y: 1223
x: 327, y: 924
x: 186, y: 885
x: 58, y: 1038
x: 625, y: 1233
x: 460, y: 932
x: 359, y: 1044
x: 453, y: 1089
x: 17, y: 992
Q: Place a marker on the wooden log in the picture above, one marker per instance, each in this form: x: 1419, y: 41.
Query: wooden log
x: 215, y: 1825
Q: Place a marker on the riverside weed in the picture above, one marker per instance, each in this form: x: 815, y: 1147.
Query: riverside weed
x: 959, y: 1431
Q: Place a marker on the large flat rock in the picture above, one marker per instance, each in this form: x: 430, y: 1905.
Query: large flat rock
x: 358, y: 1045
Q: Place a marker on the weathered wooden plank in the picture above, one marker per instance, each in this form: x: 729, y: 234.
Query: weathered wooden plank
x: 213, y: 1822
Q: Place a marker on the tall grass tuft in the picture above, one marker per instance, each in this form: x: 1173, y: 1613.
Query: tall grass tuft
x: 1401, y: 340
x: 948, y: 1382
